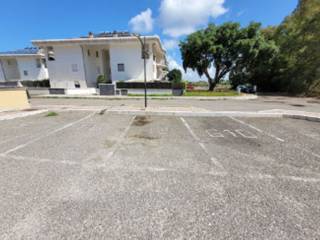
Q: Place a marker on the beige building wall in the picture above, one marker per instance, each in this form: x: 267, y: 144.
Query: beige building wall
x: 13, y: 98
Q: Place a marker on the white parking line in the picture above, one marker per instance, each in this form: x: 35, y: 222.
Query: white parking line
x: 202, y: 145
x: 189, y: 129
x: 257, y: 129
x: 48, y: 134
x: 119, y: 141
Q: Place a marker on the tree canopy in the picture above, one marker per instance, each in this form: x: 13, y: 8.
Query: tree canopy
x: 298, y: 38
x: 225, y: 48
x: 277, y: 58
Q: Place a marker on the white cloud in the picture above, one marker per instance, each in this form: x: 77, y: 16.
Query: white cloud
x: 181, y: 17
x: 142, y: 23
x: 170, y: 44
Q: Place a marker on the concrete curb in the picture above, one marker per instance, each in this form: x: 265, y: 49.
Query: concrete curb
x: 245, y: 97
x: 194, y: 114
x: 302, y: 117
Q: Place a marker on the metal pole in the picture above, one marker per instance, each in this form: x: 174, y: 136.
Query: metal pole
x: 144, y: 55
x: 145, y: 72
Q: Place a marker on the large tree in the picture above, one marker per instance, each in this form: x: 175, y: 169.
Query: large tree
x: 223, y: 48
x: 259, y: 58
x: 215, y: 47
x: 298, y: 38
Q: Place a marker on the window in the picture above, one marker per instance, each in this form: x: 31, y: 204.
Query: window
x: 97, y: 54
x: 50, y: 52
x: 74, y: 67
x: 77, y: 84
x: 38, y: 63
x: 89, y: 53
x: 121, y: 67
x: 25, y: 73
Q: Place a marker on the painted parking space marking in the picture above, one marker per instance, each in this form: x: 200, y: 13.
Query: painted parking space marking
x: 257, y: 129
x: 214, y: 133
x: 245, y: 134
x: 48, y: 134
x: 202, y: 145
x: 237, y: 133
x: 230, y: 132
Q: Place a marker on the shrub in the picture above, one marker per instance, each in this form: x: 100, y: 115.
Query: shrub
x: 178, y: 85
x: 174, y: 75
x: 102, y: 79
x: 140, y: 85
x: 36, y: 84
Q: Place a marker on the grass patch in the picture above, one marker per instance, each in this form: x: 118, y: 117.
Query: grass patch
x: 150, y: 95
x: 210, y: 94
x: 51, y: 114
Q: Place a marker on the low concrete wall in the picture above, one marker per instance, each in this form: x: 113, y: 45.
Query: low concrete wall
x: 81, y: 91
x: 149, y: 91
x: 13, y: 98
x: 38, y: 91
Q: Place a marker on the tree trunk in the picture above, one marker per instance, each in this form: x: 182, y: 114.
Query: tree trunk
x: 212, y: 83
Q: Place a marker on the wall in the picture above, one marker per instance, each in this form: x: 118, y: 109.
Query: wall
x: 94, y: 65
x: 130, y: 55
x: 2, y: 78
x: 29, y: 64
x: 60, y: 70
x: 11, y: 70
x: 13, y: 98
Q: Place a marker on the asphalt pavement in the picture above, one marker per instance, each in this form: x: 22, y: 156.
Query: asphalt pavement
x: 95, y: 175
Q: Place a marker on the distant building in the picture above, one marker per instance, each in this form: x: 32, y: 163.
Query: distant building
x: 24, y: 64
x: 77, y: 62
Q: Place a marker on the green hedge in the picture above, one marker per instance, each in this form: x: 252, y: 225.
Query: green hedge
x: 139, y: 85
x: 37, y: 83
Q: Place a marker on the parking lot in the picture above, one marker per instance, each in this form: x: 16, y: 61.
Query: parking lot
x: 96, y: 175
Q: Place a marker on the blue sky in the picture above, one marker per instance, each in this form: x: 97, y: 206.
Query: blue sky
x: 24, y: 20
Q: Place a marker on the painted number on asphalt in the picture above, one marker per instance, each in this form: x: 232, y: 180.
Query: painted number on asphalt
x: 214, y: 133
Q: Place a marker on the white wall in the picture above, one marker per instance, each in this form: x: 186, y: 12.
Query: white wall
x: 11, y: 70
x: 60, y: 70
x: 29, y: 64
x: 93, y: 64
x: 2, y: 79
x: 130, y: 56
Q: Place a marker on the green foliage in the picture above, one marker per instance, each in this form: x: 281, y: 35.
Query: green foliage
x: 51, y: 114
x: 199, y: 93
x: 298, y: 37
x: 259, y: 56
x: 277, y: 58
x: 178, y: 85
x: 102, y: 79
x: 175, y: 75
x: 37, y: 83
x: 227, y: 48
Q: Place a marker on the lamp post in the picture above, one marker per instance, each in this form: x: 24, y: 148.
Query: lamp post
x: 144, y: 56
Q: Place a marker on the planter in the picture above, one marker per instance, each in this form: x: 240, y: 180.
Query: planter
x: 57, y: 91
x: 124, y: 92
x: 177, y: 92
x: 107, y: 89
